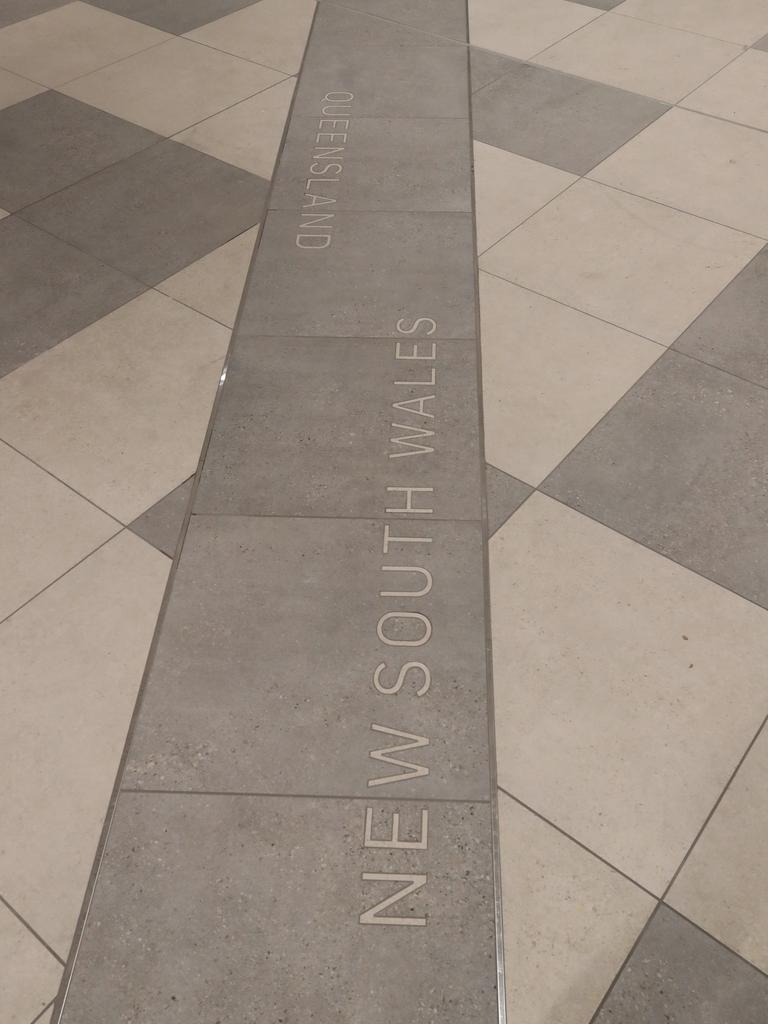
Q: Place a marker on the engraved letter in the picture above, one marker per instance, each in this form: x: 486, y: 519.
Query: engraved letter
x: 414, y: 771
x: 396, y: 843
x: 425, y: 573
x: 416, y: 324
x: 408, y: 507
x: 313, y: 241
x: 401, y: 677
x: 404, y: 615
x: 408, y: 441
x: 415, y: 882
x: 389, y: 539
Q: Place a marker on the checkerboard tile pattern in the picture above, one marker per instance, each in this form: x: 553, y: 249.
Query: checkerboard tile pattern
x: 132, y: 185
x: 624, y: 323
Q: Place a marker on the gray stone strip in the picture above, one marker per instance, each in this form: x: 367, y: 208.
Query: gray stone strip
x: 325, y: 640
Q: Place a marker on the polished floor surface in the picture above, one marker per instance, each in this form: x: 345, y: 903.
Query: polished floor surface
x: 382, y: 543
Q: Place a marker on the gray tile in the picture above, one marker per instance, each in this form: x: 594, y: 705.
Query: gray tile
x: 505, y: 495
x: 234, y: 908
x: 338, y: 27
x: 761, y: 44
x: 51, y: 141
x: 161, y: 524
x: 601, y: 5
x: 485, y: 67
x: 305, y: 428
x: 559, y: 119
x: 12, y: 11
x: 403, y: 164
x: 678, y: 974
x: 679, y: 465
x: 50, y: 291
x: 173, y: 15
x: 732, y: 332
x: 440, y: 17
x: 263, y: 680
x: 378, y: 270
x: 350, y: 52
x: 155, y: 212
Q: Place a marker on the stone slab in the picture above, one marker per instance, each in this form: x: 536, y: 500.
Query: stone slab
x: 321, y: 427
x: 248, y: 909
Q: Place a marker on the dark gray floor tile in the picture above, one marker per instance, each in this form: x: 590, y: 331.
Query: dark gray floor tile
x: 161, y: 524
x: 263, y: 679
x: 352, y: 53
x: 51, y: 141
x: 173, y: 15
x: 440, y: 17
x: 761, y: 44
x: 403, y: 164
x: 485, y: 67
x: 558, y: 119
x: 243, y: 909
x: 601, y: 5
x: 155, y: 212
x: 380, y: 269
x: 732, y: 332
x: 505, y: 495
x: 679, y: 465
x: 50, y: 291
x: 305, y: 427
x: 679, y: 975
x: 12, y: 11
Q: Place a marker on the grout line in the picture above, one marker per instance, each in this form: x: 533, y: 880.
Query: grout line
x: 714, y: 938
x: 594, y: 1019
x: 547, y: 821
x: 31, y: 930
x: 251, y: 794
x: 43, y: 1012
x: 118, y: 60
x: 373, y: 518
x: 567, y: 36
x: 48, y: 472
x: 62, y: 575
x: 690, y: 31
x: 112, y: 805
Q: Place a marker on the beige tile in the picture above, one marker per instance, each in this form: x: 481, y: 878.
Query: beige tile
x: 172, y: 85
x: 634, y: 263
x: 740, y: 21
x: 45, y: 528
x: 73, y: 660
x: 14, y: 89
x: 214, y: 284
x: 738, y: 93
x: 698, y: 164
x: 626, y: 687
x: 508, y: 189
x: 520, y: 28
x: 549, y: 374
x: 30, y: 974
x: 247, y: 135
x: 120, y: 409
x: 46, y: 1017
x: 57, y: 46
x: 569, y: 921
x: 4, y: 213
x: 272, y: 32
x: 637, y: 55
x: 723, y: 882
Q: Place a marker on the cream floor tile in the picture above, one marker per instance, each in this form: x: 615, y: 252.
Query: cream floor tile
x: 214, y: 284
x: 520, y: 28
x: 30, y: 974
x: 698, y: 164
x: 120, y: 409
x: 569, y: 921
x: 172, y: 85
x: 738, y: 92
x: 46, y: 1017
x: 634, y: 263
x: 3, y: 213
x: 724, y: 881
x: 73, y: 660
x: 57, y: 46
x: 651, y: 59
x: 247, y: 135
x: 272, y: 32
x: 45, y: 528
x: 740, y: 21
x: 14, y: 89
x: 549, y: 374
x: 508, y: 189
x: 626, y: 687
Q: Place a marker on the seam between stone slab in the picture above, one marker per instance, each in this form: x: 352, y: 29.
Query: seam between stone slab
x: 109, y: 817
x: 9, y: 907
x: 388, y: 799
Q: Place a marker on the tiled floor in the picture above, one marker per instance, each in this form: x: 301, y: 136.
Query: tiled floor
x: 620, y: 228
